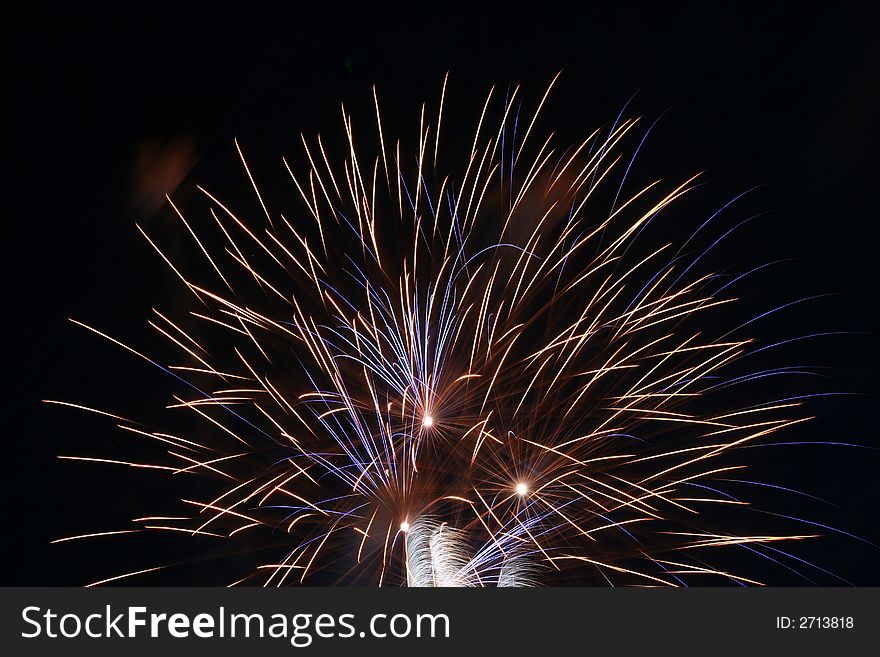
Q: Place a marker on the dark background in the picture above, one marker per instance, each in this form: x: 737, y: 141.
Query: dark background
x: 103, y: 99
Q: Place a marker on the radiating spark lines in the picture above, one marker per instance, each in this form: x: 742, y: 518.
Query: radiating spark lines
x: 455, y: 374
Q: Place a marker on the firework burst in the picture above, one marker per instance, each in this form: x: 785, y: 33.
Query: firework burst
x: 492, y: 377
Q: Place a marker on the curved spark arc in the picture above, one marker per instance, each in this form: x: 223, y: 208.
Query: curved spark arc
x: 478, y: 355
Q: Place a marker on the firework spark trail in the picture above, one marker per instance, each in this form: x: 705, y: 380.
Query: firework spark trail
x: 459, y: 379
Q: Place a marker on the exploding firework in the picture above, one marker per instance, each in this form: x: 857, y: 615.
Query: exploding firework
x: 492, y: 377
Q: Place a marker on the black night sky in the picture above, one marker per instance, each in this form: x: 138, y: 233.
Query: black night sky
x: 112, y: 108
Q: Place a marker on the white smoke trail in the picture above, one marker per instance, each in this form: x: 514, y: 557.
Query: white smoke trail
x: 438, y: 555
x: 517, y: 571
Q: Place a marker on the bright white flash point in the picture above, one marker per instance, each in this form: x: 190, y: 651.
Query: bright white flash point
x: 522, y: 489
x: 404, y: 526
x: 427, y: 421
